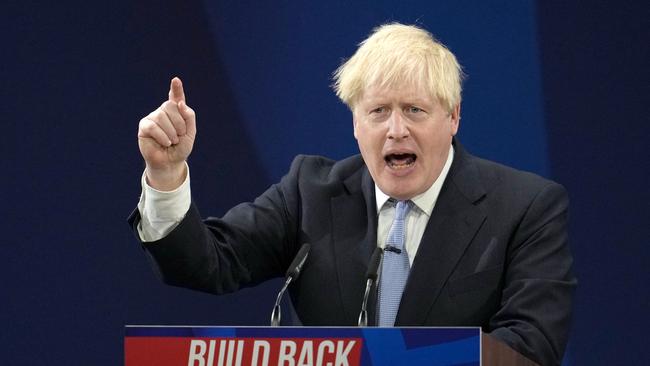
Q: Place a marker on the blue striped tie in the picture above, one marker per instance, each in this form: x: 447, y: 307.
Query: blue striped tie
x: 395, y: 267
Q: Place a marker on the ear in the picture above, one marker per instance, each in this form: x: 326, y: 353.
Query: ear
x: 455, y: 119
x: 354, y: 125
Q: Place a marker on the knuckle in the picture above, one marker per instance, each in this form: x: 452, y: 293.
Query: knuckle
x: 147, y: 130
x: 169, y: 106
x: 155, y: 115
x: 144, y: 124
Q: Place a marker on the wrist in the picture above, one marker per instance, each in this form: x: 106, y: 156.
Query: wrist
x: 166, y: 179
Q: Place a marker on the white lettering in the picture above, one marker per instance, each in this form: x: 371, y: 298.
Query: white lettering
x: 306, y: 354
x: 287, y: 353
x: 232, y: 347
x: 222, y: 352
x: 265, y: 347
x: 197, y: 351
x: 211, y: 353
x: 321, y: 350
x: 342, y: 357
x: 240, y: 351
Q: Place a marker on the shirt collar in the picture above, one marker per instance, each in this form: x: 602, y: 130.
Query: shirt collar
x: 426, y: 200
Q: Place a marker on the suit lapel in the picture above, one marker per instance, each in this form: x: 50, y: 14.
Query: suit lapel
x: 354, y: 221
x: 455, y: 220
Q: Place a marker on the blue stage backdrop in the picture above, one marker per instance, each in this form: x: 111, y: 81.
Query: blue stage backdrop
x: 553, y: 88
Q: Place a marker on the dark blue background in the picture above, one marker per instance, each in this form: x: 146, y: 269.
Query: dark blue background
x: 554, y: 87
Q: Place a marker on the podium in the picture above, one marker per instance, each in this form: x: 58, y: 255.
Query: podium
x: 317, y: 346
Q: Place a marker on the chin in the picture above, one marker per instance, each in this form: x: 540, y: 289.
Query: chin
x: 398, y: 191
x: 403, y: 196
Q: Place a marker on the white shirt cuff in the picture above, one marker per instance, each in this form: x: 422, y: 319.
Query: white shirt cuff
x: 162, y: 211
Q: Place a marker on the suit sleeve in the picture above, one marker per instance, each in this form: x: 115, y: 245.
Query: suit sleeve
x: 539, y: 284
x: 253, y: 242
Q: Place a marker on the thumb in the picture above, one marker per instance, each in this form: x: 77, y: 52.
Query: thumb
x: 176, y: 93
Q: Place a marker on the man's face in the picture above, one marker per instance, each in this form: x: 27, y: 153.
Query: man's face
x: 404, y: 136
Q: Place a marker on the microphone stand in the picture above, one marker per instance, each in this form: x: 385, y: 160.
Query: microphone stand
x: 276, y: 315
x: 371, y: 278
x: 292, y: 273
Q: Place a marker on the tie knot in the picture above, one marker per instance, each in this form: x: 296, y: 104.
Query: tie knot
x: 402, y: 209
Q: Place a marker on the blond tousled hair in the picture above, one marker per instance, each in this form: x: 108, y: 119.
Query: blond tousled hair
x: 396, y: 55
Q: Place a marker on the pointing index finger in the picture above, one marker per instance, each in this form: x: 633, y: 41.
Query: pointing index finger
x: 176, y: 93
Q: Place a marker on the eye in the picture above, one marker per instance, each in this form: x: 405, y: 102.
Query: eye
x: 414, y: 110
x: 379, y: 110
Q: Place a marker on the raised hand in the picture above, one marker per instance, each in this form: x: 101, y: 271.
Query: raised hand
x: 166, y: 137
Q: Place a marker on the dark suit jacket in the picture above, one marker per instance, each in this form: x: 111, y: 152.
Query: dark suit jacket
x: 494, y: 253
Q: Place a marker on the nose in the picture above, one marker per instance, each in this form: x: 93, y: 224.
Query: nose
x: 397, y: 128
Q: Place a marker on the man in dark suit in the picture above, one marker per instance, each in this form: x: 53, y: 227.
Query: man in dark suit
x: 482, y: 244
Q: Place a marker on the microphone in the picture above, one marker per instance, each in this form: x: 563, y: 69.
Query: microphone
x: 292, y: 273
x: 391, y: 248
x: 371, y: 277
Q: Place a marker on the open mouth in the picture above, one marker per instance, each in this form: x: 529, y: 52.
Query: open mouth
x: 400, y: 161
